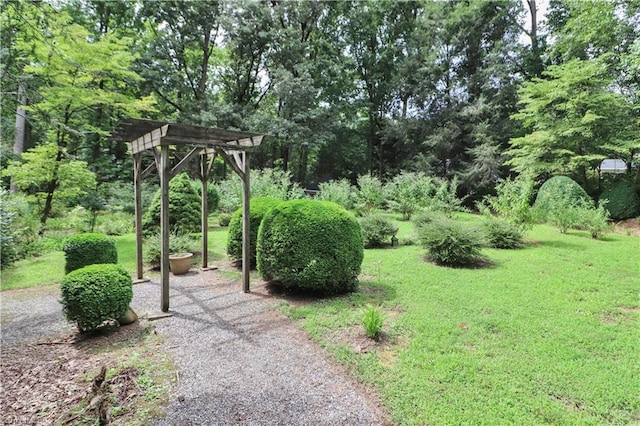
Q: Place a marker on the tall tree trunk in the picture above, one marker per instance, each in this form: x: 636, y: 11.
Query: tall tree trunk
x: 302, y: 167
x: 51, y: 188
x: 19, y: 142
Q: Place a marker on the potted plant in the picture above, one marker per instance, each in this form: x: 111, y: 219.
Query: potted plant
x: 180, y: 263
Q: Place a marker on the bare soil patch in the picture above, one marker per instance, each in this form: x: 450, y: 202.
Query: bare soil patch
x: 628, y: 227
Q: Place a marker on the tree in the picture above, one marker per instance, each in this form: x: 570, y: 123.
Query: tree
x: 77, y: 74
x: 573, y: 120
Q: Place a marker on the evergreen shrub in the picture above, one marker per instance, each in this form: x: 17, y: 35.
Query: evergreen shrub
x: 310, y: 245
x: 86, y: 249
x: 213, y: 198
x: 556, y: 194
x: 622, y: 201
x: 184, y: 208
x: 257, y: 209
x: 502, y: 234
x: 338, y: 191
x: 377, y: 230
x: 95, y: 294
x: 449, y: 242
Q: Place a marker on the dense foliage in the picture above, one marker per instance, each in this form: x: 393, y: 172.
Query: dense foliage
x: 96, y: 293
x: 450, y: 242
x: 377, y: 230
x: 557, y: 194
x: 621, y: 200
x: 310, y: 245
x: 185, y: 207
x: 502, y: 234
x: 87, y: 249
x: 258, y: 207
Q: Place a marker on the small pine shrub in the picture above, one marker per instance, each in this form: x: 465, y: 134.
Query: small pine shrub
x: 310, y: 245
x: 96, y: 293
x: 377, y: 230
x: 622, y: 201
x: 372, y: 320
x: 224, y: 219
x: 184, y: 208
x: 502, y: 234
x: 449, y: 242
x: 86, y: 249
x: 556, y: 194
x: 258, y: 207
x: 338, y: 191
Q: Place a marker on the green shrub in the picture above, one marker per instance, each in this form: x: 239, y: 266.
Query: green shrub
x: 224, y: 219
x: 184, y: 208
x: 8, y: 251
x: 178, y: 243
x: 116, y: 223
x: 502, y: 234
x: 556, y: 194
x: 369, y: 195
x: 513, y: 201
x: 212, y: 195
x: 377, y: 230
x: 257, y: 209
x: 446, y: 198
x: 338, y: 191
x: 594, y: 220
x: 310, y: 245
x: 273, y: 183
x: 86, y: 249
x: 372, y: 321
x: 449, y: 242
x: 95, y: 294
x: 409, y: 192
x: 622, y: 201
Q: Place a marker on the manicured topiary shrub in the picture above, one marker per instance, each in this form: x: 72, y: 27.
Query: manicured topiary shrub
x: 449, y: 242
x: 86, y: 249
x: 502, y: 234
x: 257, y: 209
x: 213, y: 197
x: 622, y: 201
x: 377, y: 230
x: 310, y: 245
x: 556, y: 194
x: 95, y: 294
x: 184, y: 208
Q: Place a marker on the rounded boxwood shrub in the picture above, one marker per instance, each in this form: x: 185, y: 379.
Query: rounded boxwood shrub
x: 449, y: 242
x: 95, y: 294
x: 557, y: 193
x: 257, y: 209
x: 310, y: 245
x: 184, y: 208
x: 377, y: 230
x: 86, y: 249
x: 622, y: 201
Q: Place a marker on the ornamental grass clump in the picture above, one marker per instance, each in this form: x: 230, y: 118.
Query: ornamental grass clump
x: 257, y: 209
x: 449, y: 242
x: 96, y: 294
x: 372, y: 320
x: 310, y: 245
x: 87, y: 249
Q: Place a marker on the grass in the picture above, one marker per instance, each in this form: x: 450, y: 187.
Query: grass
x: 547, y: 334
x: 48, y: 269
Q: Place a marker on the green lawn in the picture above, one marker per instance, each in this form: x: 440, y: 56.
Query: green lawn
x: 547, y: 334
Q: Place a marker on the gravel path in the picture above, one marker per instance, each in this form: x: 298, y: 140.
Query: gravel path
x: 239, y: 360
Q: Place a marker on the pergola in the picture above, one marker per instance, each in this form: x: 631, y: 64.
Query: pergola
x: 173, y: 147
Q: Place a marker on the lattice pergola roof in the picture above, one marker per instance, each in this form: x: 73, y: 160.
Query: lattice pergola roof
x: 143, y: 135
x: 173, y: 146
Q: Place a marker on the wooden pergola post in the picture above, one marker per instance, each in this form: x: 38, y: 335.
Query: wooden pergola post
x: 137, y: 183
x: 246, y: 223
x: 165, y: 176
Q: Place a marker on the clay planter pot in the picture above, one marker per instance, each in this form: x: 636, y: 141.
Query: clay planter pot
x: 179, y: 263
